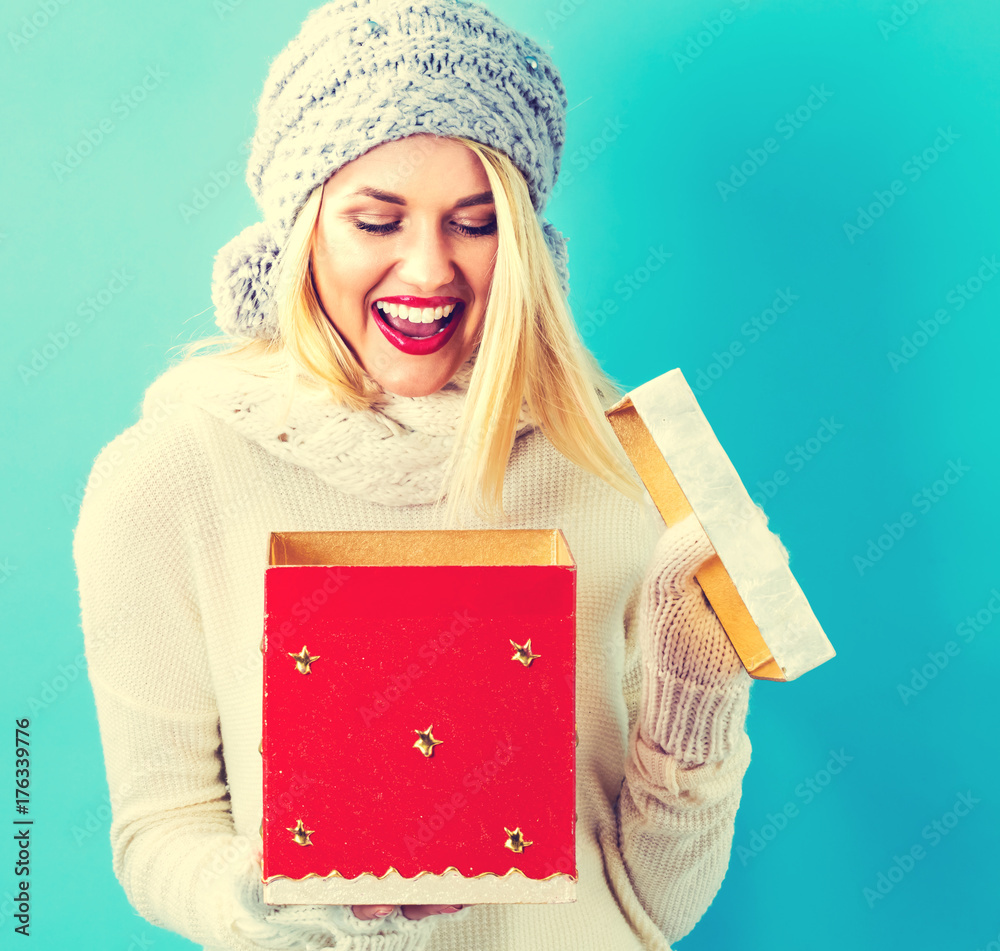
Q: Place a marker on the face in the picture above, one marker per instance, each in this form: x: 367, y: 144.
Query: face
x: 403, y: 259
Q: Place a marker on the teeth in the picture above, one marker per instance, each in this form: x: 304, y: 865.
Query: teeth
x: 417, y: 315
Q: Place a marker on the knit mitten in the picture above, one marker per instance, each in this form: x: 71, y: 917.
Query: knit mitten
x: 313, y: 927
x: 695, y: 689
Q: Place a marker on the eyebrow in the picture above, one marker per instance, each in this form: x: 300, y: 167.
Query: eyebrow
x: 483, y: 198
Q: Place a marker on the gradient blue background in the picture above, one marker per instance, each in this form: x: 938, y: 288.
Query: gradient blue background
x: 650, y: 136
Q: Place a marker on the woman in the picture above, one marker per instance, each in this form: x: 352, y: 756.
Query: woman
x: 406, y: 360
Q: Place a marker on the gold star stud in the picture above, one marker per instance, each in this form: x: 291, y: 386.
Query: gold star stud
x: 516, y: 841
x: 303, y: 659
x: 426, y: 742
x: 300, y: 834
x: 522, y: 652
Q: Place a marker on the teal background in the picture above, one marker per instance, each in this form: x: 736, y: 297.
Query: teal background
x: 650, y: 136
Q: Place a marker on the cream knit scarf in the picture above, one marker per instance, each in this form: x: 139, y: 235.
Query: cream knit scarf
x: 393, y: 454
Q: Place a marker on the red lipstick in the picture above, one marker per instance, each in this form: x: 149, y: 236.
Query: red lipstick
x: 419, y: 346
x: 423, y: 301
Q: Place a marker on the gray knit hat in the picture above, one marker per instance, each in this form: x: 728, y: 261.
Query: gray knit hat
x: 364, y: 72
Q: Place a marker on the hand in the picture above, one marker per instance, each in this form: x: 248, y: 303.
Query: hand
x: 682, y: 634
x: 695, y: 689
x: 413, y: 912
x: 300, y: 926
x: 283, y: 926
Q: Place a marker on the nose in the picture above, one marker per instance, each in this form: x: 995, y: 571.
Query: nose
x: 426, y: 261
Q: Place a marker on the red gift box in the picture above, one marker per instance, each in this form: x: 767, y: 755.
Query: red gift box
x: 418, y: 734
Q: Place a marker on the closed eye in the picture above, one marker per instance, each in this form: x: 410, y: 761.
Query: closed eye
x: 391, y: 226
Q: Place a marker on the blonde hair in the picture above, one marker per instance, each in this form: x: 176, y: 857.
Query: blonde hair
x: 530, y: 352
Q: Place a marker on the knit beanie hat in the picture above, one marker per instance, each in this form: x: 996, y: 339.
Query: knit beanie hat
x: 364, y: 72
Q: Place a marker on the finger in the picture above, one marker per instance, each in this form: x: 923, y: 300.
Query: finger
x: 681, y: 551
x: 370, y: 912
x: 418, y: 912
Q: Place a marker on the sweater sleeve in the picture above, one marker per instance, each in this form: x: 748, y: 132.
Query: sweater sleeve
x: 174, y: 846
x: 688, y: 749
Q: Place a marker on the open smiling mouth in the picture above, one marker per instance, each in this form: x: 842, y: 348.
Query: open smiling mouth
x: 417, y: 330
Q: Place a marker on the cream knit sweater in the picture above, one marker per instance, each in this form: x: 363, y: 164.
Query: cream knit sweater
x: 170, y: 551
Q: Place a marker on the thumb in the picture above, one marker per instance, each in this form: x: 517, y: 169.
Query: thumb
x: 679, y: 554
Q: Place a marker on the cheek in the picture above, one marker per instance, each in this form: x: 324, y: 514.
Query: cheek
x: 339, y: 254
x: 481, y: 265
x: 346, y: 269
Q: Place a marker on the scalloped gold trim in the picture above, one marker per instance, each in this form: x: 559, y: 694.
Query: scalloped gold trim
x: 392, y: 871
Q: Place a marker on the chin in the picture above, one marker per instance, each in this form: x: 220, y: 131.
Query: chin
x: 414, y: 384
